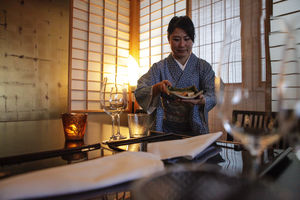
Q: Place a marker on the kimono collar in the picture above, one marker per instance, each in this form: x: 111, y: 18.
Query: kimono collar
x: 179, y: 64
x: 177, y: 75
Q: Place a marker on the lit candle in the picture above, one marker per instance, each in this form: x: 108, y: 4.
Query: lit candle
x: 72, y: 129
x: 74, y: 125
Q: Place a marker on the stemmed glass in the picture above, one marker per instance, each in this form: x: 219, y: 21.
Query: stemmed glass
x: 242, y: 97
x: 113, y: 100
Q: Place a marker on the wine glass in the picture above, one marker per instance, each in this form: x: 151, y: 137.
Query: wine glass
x: 113, y: 100
x: 250, y: 95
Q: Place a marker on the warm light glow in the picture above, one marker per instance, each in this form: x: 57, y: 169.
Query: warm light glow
x: 133, y: 71
x: 72, y: 129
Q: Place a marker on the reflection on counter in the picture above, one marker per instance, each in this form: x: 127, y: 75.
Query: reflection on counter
x: 137, y: 147
x: 74, y: 157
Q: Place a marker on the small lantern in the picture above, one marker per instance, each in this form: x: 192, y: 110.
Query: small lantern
x: 74, y: 125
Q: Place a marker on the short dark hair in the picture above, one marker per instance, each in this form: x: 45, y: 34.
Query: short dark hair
x: 183, y: 22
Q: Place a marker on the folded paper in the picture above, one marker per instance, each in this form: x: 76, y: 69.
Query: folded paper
x: 84, y: 176
x: 102, y: 172
x: 188, y: 148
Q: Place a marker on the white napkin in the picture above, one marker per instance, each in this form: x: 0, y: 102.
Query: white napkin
x: 187, y: 148
x: 88, y: 175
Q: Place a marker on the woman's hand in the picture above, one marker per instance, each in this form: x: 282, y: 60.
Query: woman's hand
x: 200, y: 100
x: 161, y: 87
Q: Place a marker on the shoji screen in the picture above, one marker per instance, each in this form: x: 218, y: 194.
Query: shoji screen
x: 211, y: 18
x: 99, y: 46
x: 154, y: 19
x: 288, y: 10
x: 263, y: 42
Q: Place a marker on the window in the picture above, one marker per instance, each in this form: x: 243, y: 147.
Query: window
x: 263, y: 44
x: 278, y: 42
x: 99, y: 46
x: 154, y: 19
x: 211, y: 19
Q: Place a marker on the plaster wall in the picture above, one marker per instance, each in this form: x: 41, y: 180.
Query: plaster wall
x: 34, y: 37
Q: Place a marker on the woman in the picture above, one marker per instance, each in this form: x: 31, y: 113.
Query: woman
x: 180, y: 69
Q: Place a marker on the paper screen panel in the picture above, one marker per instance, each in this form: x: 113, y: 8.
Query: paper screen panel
x: 211, y: 19
x: 99, y: 46
x: 289, y: 11
x: 155, y: 16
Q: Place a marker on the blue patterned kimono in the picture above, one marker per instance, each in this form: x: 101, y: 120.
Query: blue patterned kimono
x: 172, y: 116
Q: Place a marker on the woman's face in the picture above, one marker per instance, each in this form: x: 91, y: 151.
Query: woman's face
x: 181, y: 44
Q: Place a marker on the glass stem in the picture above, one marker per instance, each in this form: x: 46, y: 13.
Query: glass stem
x: 256, y: 161
x: 118, y: 134
x: 113, y: 137
x: 118, y: 125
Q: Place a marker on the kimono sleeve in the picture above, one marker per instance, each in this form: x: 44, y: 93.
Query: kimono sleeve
x: 209, y: 87
x: 143, y: 93
x: 208, y: 84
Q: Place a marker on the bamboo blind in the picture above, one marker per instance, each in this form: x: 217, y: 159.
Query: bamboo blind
x: 99, y: 46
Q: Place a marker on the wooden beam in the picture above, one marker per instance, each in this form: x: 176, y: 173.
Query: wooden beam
x: 189, y: 8
x: 134, y: 30
x: 267, y: 26
x: 134, y: 43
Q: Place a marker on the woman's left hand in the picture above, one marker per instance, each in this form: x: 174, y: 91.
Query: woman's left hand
x: 200, y: 100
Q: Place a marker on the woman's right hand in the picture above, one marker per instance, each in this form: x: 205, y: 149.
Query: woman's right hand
x: 161, y: 87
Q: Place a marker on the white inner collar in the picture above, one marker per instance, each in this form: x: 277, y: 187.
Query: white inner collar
x: 182, y: 67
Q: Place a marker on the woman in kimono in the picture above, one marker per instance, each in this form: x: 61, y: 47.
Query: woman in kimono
x: 180, y: 69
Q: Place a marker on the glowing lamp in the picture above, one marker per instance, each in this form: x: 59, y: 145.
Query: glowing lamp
x: 133, y: 71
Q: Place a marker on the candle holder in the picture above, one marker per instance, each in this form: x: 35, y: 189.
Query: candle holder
x: 74, y: 125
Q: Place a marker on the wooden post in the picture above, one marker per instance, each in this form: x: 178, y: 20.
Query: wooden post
x: 134, y: 43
